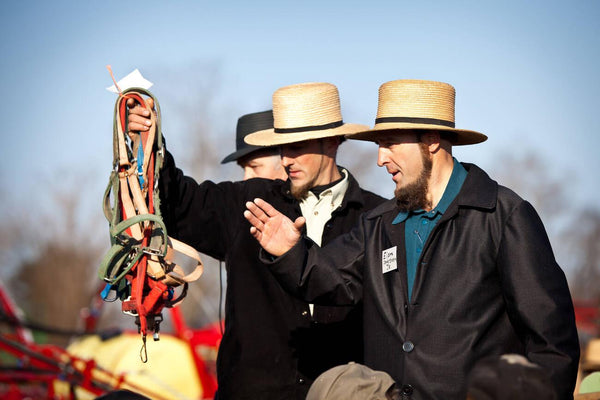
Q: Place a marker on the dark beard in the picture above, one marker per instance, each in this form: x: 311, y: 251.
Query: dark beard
x: 414, y: 195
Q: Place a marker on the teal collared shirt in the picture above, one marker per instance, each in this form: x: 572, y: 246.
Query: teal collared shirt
x: 420, y: 223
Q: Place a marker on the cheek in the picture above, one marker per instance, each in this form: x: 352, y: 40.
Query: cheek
x: 259, y: 171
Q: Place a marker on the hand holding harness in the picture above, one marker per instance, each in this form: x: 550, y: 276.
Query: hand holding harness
x: 144, y: 265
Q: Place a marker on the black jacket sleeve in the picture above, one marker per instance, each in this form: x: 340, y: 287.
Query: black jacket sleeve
x: 537, y: 298
x: 205, y: 216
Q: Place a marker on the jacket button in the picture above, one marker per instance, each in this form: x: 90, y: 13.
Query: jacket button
x: 301, y: 381
x: 408, y: 346
x: 407, y: 390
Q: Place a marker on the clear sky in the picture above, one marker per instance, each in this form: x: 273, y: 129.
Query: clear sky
x: 526, y: 74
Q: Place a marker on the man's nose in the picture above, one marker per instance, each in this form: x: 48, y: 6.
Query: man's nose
x: 381, y: 157
x: 285, y: 160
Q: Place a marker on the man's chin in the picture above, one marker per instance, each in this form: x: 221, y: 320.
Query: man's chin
x: 299, y: 192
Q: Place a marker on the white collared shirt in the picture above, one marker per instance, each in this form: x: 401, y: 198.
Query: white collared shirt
x: 317, y: 209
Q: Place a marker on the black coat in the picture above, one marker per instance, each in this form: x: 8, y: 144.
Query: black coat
x: 487, y: 284
x: 272, y: 347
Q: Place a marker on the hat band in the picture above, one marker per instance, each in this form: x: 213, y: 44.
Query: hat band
x: 310, y: 128
x: 411, y: 120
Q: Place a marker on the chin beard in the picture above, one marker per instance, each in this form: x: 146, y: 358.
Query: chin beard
x: 414, y: 195
x: 300, y: 192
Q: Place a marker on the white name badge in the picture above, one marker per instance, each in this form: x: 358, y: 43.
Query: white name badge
x: 388, y: 260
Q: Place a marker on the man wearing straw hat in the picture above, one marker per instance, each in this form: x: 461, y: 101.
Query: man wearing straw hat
x: 274, y: 345
x: 256, y: 161
x: 454, y: 269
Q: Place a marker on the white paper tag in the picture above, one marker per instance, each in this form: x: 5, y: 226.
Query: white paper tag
x: 133, y: 79
x: 388, y: 260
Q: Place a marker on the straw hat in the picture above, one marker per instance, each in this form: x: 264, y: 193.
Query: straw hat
x: 415, y: 104
x: 303, y: 112
x: 246, y: 125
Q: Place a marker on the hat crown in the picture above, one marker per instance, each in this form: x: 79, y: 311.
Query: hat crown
x: 246, y: 125
x: 306, y: 105
x: 408, y: 98
x: 251, y: 123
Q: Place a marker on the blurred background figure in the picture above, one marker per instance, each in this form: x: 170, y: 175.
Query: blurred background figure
x: 589, y: 372
x: 256, y: 161
x: 508, y: 377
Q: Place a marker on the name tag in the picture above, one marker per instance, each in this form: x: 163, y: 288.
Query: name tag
x: 388, y: 260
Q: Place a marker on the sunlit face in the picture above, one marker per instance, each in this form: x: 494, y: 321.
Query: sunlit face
x: 304, y: 163
x: 266, y: 166
x: 409, y: 162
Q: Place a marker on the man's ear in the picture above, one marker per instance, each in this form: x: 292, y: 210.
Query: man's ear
x: 432, y: 140
x: 330, y: 145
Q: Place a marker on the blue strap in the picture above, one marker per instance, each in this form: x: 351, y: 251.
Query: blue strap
x: 140, y: 163
x: 106, y: 291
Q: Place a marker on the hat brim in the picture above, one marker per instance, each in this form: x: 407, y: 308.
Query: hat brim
x: 269, y: 137
x: 241, y: 153
x: 457, y: 137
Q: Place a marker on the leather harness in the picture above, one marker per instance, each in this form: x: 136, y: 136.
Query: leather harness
x: 144, y: 265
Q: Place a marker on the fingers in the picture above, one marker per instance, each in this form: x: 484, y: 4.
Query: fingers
x: 150, y: 103
x: 268, y: 209
x: 256, y: 223
x: 257, y: 216
x: 299, y: 223
x: 138, y: 118
x: 255, y: 233
x: 131, y: 103
x: 137, y: 122
x: 261, y: 209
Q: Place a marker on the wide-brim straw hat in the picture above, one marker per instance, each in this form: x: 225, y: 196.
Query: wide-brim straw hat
x: 304, y: 111
x: 418, y: 105
x: 246, y: 125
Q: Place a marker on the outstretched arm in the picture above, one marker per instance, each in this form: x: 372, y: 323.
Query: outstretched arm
x: 275, y: 232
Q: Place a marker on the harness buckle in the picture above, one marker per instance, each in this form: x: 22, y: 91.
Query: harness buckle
x: 152, y: 252
x: 128, y: 307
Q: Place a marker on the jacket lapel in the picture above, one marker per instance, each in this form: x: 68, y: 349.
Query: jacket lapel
x: 390, y: 288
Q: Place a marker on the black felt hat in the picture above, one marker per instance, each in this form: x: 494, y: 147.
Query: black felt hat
x: 246, y: 125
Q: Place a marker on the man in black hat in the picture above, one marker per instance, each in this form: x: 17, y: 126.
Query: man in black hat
x: 454, y: 269
x: 256, y: 161
x: 274, y: 345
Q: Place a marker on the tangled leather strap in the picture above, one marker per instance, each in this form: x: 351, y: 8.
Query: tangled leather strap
x: 144, y: 266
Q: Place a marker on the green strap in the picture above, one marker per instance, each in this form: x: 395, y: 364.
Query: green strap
x: 116, y: 260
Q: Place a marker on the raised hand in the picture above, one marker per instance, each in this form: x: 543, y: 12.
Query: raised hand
x: 139, y: 117
x: 275, y: 232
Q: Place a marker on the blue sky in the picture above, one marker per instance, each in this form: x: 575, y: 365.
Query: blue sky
x: 526, y: 74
